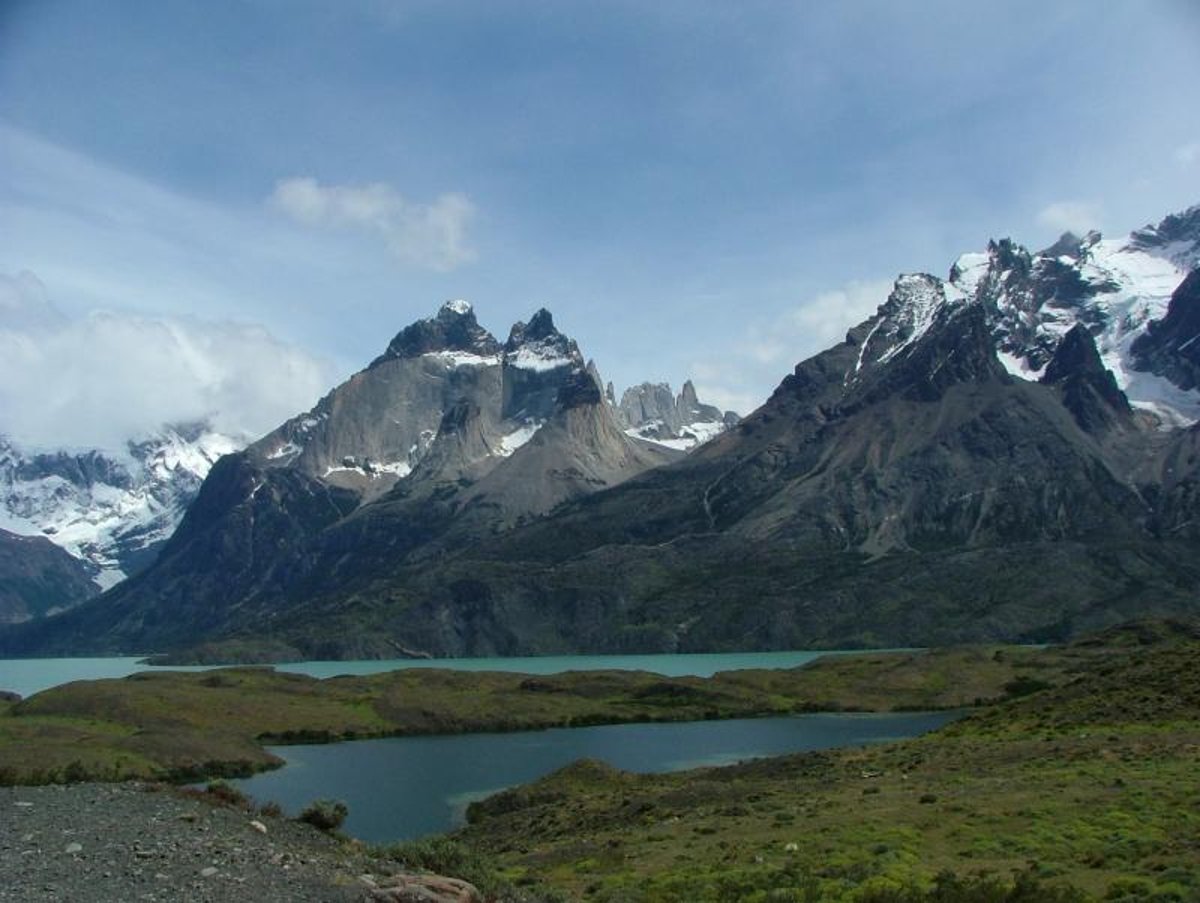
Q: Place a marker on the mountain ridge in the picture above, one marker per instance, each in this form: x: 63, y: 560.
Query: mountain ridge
x: 980, y: 459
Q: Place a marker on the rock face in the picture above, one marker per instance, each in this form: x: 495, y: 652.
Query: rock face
x: 1089, y: 391
x: 445, y: 438
x: 39, y: 578
x: 1170, y: 347
x: 649, y: 411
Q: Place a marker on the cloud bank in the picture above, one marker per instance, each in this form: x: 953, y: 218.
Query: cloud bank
x: 433, y: 235
x: 99, y: 380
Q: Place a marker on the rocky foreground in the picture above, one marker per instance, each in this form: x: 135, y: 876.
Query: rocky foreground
x: 127, y: 842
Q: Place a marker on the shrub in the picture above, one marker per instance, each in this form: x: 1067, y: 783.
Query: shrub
x: 1025, y: 685
x: 226, y: 793
x: 327, y: 815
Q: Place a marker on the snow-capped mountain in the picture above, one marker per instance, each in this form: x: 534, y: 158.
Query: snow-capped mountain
x: 111, y: 511
x: 650, y: 411
x: 1009, y: 453
x: 446, y: 437
x: 1115, y: 287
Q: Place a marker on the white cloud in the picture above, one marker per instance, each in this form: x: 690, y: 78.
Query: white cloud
x: 425, y: 235
x: 99, y: 380
x: 1070, y: 216
x: 770, y: 349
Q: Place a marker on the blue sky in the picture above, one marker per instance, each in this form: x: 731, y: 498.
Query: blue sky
x: 713, y: 190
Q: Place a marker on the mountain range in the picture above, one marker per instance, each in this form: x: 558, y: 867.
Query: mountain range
x: 1007, y: 453
x: 114, y: 511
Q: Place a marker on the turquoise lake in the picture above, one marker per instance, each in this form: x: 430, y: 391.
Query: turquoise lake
x: 407, y: 787
x: 401, y: 788
x: 28, y: 676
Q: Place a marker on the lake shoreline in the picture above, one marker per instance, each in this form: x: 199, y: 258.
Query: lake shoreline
x: 182, y: 726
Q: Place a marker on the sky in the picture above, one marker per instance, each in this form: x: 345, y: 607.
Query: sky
x: 221, y: 209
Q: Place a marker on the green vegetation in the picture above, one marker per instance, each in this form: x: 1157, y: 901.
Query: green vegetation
x: 191, y: 726
x: 1083, y: 790
x: 1073, y: 778
x: 325, y: 815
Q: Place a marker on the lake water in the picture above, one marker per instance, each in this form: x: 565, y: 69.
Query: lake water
x: 29, y: 676
x: 407, y: 787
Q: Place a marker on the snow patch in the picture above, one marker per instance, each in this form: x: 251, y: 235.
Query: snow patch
x: 108, y: 578
x: 518, y: 437
x: 373, y: 470
x: 463, y: 359
x: 969, y: 271
x: 917, y: 300
x: 287, y: 450
x: 1019, y: 367
x: 457, y: 306
x: 690, y: 436
x: 540, y: 360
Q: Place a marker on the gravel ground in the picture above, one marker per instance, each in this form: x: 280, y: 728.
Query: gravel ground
x: 128, y: 842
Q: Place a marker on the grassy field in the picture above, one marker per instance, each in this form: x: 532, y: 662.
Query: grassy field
x: 1075, y: 776
x: 177, y: 725
x: 1087, y: 789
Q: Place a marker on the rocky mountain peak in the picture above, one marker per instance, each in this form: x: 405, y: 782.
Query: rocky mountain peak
x: 1170, y: 347
x: 929, y: 344
x: 538, y: 345
x: 652, y: 412
x: 1071, y: 245
x: 1076, y: 356
x: 1181, y: 230
x: 915, y: 303
x: 1090, y: 390
x: 687, y: 396
x: 453, y: 329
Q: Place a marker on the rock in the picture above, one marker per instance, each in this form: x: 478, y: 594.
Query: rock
x: 208, y: 871
x: 258, y: 826
x: 411, y: 888
x: 73, y: 848
x: 21, y: 804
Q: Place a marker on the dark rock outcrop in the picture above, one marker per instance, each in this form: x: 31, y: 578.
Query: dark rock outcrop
x: 38, y: 578
x: 1170, y: 347
x: 1089, y: 390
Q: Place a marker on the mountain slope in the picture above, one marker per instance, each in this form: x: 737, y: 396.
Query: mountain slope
x: 979, y: 460
x: 446, y: 437
x: 38, y: 578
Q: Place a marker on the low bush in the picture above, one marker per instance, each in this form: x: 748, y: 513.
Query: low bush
x: 327, y: 815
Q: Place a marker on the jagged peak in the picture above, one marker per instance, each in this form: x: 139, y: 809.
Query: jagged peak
x: 1076, y: 354
x: 454, y: 328
x: 539, y: 329
x: 687, y: 395
x: 922, y: 341
x: 1175, y: 227
x: 908, y: 313
x: 538, y: 345
x: 1090, y: 390
x: 1071, y: 246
